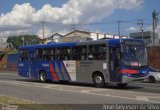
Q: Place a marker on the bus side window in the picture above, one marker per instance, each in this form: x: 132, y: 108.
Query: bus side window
x: 79, y: 53
x: 100, y: 51
x: 39, y: 55
x: 117, y: 58
x: 65, y: 53
x: 91, y: 53
x: 48, y: 54
x: 97, y: 52
x: 84, y: 52
x: 73, y: 53
x: 23, y: 55
x: 57, y: 53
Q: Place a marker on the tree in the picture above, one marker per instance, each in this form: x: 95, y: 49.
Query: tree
x: 17, y: 41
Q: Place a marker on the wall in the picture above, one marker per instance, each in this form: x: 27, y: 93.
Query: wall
x: 12, y: 60
x: 154, y: 56
x: 78, y: 34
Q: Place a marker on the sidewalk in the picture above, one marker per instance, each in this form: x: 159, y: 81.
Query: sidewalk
x: 8, y: 71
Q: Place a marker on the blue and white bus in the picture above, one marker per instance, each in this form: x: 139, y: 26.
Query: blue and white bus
x: 119, y: 61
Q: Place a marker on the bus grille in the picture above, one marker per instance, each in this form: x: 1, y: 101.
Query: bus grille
x: 138, y: 75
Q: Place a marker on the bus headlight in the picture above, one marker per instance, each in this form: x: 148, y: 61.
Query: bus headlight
x: 158, y: 75
x: 128, y: 75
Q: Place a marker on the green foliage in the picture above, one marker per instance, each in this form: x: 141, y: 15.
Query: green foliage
x: 17, y: 41
x: 13, y: 51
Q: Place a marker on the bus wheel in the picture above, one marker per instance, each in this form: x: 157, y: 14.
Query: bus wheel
x: 152, y: 79
x: 98, y: 80
x: 43, y: 76
x: 122, y: 85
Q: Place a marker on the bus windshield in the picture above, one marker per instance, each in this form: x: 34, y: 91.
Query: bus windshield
x: 134, y: 55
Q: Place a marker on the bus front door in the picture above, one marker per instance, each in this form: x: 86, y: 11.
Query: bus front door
x: 31, y: 64
x: 114, y: 64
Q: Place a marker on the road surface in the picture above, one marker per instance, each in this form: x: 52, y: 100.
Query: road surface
x: 77, y: 93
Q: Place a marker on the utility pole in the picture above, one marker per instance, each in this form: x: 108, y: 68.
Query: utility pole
x: 74, y: 29
x: 43, y: 29
x: 119, y: 33
x: 154, y: 24
x: 1, y: 42
x: 142, y: 27
x: 23, y: 38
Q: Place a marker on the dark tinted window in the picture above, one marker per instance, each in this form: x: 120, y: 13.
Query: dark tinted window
x: 39, y: 54
x: 23, y: 55
x: 97, y: 52
x: 63, y: 53
x: 48, y: 54
x: 79, y: 53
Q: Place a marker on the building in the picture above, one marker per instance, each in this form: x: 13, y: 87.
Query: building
x: 54, y: 38
x: 78, y: 35
x: 147, y: 37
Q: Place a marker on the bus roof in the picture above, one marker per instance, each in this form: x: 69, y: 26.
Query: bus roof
x: 48, y: 45
x: 68, y: 44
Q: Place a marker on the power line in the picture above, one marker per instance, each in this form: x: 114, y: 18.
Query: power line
x: 113, y: 22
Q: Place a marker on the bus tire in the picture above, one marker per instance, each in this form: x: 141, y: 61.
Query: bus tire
x: 43, y: 76
x: 98, y: 80
x: 64, y: 82
x: 122, y: 85
x: 152, y: 79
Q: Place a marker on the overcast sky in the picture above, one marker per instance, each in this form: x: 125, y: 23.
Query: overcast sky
x: 25, y: 16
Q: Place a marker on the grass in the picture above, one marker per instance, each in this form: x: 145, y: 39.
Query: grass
x: 29, y: 105
x: 12, y: 100
x: 13, y: 52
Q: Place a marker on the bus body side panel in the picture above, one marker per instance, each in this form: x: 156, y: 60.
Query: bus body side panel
x: 85, y: 70
x: 42, y: 66
x: 70, y: 69
x: 23, y: 68
x: 32, y: 63
x: 61, y: 70
x: 55, y: 70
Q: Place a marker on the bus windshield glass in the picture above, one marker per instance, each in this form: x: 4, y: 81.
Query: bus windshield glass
x: 134, y: 54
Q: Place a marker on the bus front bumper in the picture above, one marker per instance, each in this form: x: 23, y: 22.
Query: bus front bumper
x: 127, y: 79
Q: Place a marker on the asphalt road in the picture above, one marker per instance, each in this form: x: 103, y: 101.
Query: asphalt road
x: 77, y: 93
